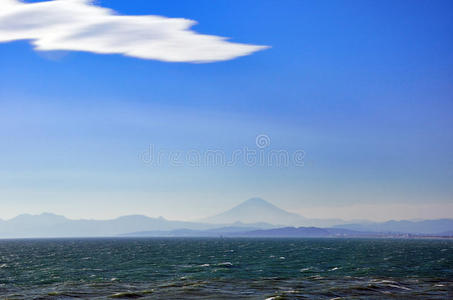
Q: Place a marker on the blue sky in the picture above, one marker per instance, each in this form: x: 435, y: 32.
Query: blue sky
x: 363, y: 87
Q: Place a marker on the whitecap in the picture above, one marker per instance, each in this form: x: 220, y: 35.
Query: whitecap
x: 225, y: 264
x: 399, y: 287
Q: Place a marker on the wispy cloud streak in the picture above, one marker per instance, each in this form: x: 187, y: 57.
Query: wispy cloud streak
x: 79, y: 25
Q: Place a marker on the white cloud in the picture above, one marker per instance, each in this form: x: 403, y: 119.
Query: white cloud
x: 79, y: 25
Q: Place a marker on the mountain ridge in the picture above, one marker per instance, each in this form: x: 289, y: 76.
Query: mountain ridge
x: 52, y: 225
x: 404, y: 226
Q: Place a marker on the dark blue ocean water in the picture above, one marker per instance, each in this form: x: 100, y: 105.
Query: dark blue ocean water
x: 226, y: 268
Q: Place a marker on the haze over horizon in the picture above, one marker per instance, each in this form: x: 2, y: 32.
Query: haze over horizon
x: 363, y: 213
x: 346, y: 106
x: 254, y: 217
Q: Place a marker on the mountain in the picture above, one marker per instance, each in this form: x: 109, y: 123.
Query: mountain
x: 412, y: 227
x: 252, y: 218
x: 26, y: 225
x: 253, y: 214
x: 42, y: 219
x: 257, y: 210
x: 51, y: 225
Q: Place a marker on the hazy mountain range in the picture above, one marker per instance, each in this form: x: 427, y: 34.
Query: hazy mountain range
x: 254, y: 217
x: 440, y: 226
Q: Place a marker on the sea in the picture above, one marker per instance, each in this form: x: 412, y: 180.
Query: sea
x: 226, y: 268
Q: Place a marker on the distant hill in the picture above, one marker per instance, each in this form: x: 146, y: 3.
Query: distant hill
x: 294, y: 232
x: 215, y: 232
x: 413, y: 227
x: 288, y: 232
